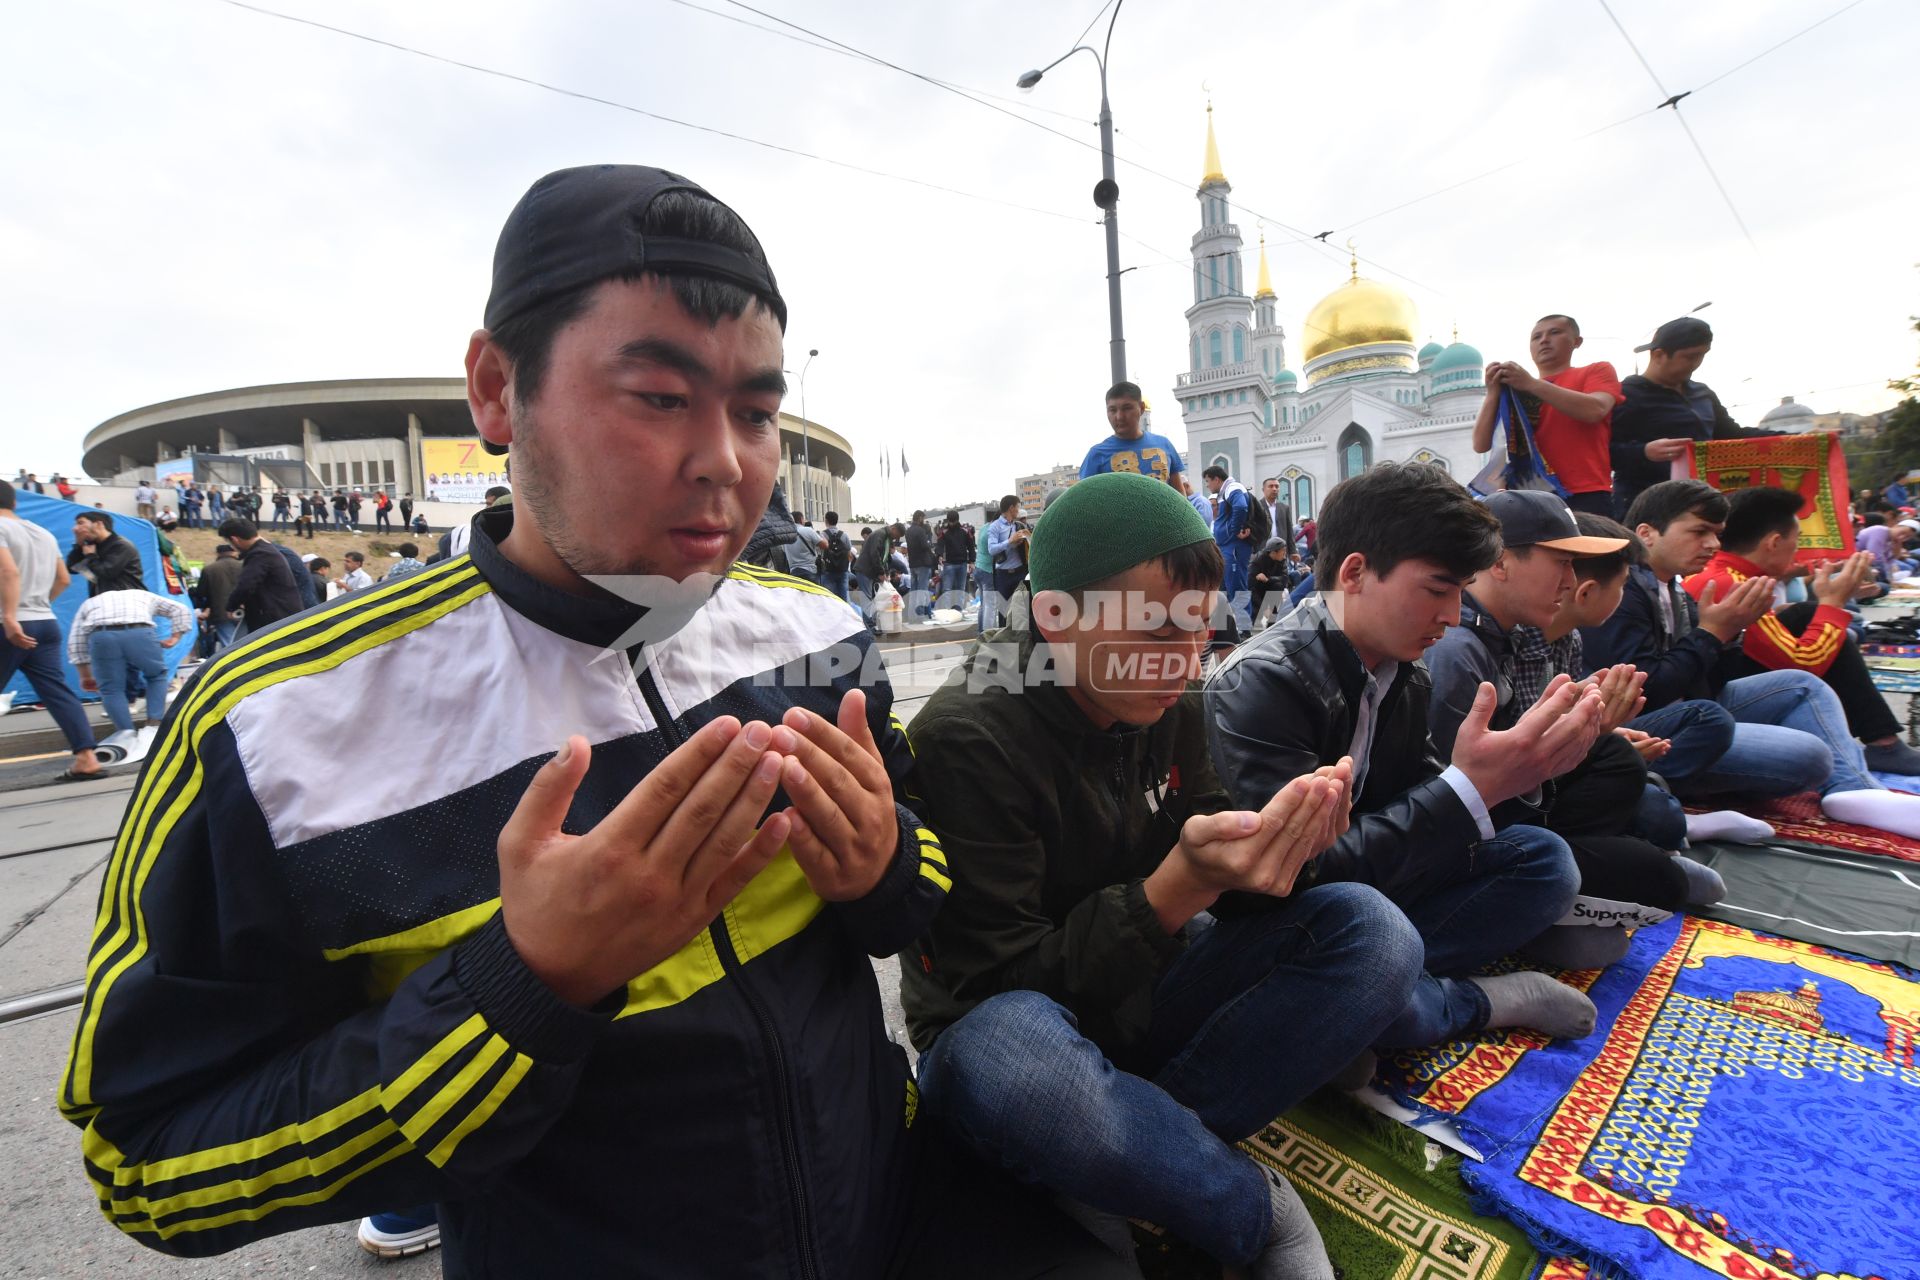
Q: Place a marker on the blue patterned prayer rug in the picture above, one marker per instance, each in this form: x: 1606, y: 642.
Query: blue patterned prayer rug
x: 1748, y: 1109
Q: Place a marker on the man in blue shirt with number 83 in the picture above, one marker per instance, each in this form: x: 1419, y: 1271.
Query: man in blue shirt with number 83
x: 1130, y: 448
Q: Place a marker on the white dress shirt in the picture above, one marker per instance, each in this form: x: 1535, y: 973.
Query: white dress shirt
x: 1379, y: 680
x: 122, y: 609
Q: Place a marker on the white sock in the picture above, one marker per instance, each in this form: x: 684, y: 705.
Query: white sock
x: 1727, y: 824
x: 1888, y: 810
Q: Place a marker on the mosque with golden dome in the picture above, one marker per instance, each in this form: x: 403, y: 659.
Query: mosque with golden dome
x: 1365, y: 391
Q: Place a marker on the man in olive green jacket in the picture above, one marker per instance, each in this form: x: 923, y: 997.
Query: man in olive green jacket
x: 1085, y: 1021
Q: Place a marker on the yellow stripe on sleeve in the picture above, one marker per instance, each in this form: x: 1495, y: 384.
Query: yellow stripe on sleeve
x: 122, y: 916
x: 482, y: 1110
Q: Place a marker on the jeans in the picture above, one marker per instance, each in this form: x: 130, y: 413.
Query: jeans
x: 1791, y: 736
x: 113, y: 653
x: 1504, y: 893
x: 46, y: 671
x: 953, y: 586
x: 990, y: 602
x: 280, y: 518
x: 1869, y: 718
x: 1700, y: 731
x: 1659, y: 818
x: 835, y: 580
x: 1238, y: 554
x: 918, y: 602
x: 1259, y: 1011
x: 382, y: 521
x: 863, y: 598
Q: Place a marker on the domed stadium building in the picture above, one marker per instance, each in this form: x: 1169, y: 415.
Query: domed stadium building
x: 1365, y: 391
x: 401, y: 435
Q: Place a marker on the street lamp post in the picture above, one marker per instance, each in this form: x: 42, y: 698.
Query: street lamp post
x: 1106, y: 195
x: 806, y: 440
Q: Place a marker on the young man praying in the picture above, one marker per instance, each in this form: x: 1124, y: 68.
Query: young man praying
x: 1067, y: 1000
x: 1340, y: 676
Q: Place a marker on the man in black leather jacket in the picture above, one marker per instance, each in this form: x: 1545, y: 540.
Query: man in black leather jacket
x: 1341, y: 675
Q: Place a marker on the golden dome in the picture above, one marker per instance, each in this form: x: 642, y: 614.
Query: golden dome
x: 1357, y: 313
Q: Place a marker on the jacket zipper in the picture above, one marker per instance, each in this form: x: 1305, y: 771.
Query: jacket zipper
x: 769, y: 1034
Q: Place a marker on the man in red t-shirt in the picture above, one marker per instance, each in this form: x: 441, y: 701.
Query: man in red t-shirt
x: 1570, y: 408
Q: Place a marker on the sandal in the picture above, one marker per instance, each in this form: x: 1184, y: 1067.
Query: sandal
x: 70, y: 776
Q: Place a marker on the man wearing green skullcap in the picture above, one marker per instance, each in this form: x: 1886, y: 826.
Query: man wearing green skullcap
x: 1065, y: 1000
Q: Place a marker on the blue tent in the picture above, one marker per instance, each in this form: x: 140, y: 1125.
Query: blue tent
x: 56, y: 516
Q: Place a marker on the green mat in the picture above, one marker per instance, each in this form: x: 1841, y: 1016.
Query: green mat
x: 1389, y: 1204
x: 1864, y: 904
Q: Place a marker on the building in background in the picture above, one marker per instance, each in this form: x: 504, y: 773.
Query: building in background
x: 401, y: 435
x: 1367, y: 395
x: 1790, y: 417
x: 1034, y: 489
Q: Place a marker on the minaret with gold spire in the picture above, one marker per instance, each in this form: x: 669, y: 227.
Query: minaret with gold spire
x: 1269, y: 339
x: 1214, y: 173
x: 1224, y: 391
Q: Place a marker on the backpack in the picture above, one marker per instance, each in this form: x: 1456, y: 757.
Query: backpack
x: 1259, y: 523
x: 835, y: 550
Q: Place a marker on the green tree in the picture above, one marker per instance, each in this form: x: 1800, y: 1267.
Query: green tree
x: 1879, y: 459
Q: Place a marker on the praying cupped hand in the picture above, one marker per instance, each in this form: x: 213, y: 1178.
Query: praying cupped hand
x: 845, y: 828
x: 1620, y: 697
x: 587, y: 913
x: 1552, y: 737
x: 1252, y: 852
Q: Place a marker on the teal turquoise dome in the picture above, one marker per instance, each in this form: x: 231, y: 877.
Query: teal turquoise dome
x: 1286, y: 380
x: 1429, y: 351
x: 1456, y: 357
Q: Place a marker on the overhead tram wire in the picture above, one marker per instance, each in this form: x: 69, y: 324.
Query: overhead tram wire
x: 1673, y: 101
x: 1489, y: 173
x: 1298, y: 235
x: 580, y: 96
x: 1708, y: 84
x: 1511, y: 164
x: 1742, y: 66
x: 1108, y: 4
x: 845, y: 53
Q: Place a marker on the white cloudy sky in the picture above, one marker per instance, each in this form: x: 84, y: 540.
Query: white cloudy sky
x: 195, y: 196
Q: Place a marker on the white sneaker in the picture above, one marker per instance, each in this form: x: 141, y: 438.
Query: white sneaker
x: 6, y: 703
x: 407, y: 1240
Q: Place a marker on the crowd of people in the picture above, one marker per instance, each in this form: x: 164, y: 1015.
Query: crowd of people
x: 116, y: 641
x: 598, y: 996
x: 301, y: 513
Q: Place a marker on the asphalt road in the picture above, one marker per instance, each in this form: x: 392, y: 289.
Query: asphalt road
x: 54, y: 842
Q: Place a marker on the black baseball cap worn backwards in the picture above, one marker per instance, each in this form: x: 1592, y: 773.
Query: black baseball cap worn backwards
x: 578, y: 226
x: 1678, y: 335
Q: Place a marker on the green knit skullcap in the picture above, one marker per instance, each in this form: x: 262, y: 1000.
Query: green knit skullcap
x: 1105, y: 525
